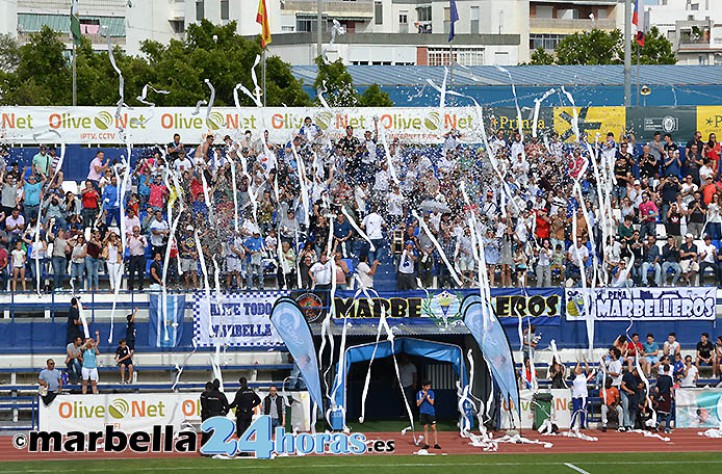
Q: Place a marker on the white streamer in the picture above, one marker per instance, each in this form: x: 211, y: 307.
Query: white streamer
x: 121, y: 79
x: 144, y: 94
x: 336, y: 29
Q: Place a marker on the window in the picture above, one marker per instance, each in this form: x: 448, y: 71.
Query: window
x: 200, y: 10
x: 403, y: 21
x: 474, y: 20
x: 447, y: 20
x: 463, y: 56
x: 424, y: 13
x: 179, y: 26
x: 287, y: 29
x: 305, y: 24
x: 378, y: 13
x: 548, y: 42
x: 225, y: 10
x: 308, y: 24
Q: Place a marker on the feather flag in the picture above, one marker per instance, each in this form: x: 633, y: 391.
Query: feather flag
x: 262, y: 19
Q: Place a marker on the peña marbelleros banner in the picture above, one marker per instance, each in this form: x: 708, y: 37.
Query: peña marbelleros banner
x: 543, y: 306
x: 153, y: 125
x: 681, y: 303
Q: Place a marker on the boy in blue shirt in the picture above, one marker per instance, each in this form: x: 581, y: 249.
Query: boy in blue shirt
x: 427, y: 413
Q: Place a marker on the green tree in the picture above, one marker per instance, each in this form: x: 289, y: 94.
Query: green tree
x: 541, y: 58
x: 591, y: 47
x: 340, y: 90
x: 373, y: 96
x: 42, y: 75
x: 336, y: 84
x: 607, y: 47
x: 656, y: 50
x: 9, y: 53
x: 219, y: 54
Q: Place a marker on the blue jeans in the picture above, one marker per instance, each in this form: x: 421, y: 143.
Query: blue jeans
x: 254, y: 272
x: 76, y: 273
x: 630, y: 409
x: 379, y: 252
x: 74, y: 370
x: 59, y: 266
x: 113, y: 213
x: 31, y: 211
x: 91, y: 272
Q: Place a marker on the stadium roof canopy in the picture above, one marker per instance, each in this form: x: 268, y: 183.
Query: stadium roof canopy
x: 590, y: 85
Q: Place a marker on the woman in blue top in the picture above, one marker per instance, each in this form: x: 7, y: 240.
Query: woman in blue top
x: 90, y: 363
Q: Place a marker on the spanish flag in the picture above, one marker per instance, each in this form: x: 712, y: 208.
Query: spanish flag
x: 262, y: 19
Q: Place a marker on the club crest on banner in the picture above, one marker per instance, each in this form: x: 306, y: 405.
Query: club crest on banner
x: 443, y: 307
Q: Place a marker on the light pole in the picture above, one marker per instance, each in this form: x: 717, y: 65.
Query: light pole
x: 627, y: 53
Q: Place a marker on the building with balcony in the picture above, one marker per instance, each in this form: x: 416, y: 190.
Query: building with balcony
x: 21, y: 18
x: 691, y: 28
x: 551, y: 20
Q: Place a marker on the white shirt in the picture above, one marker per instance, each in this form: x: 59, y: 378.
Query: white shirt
x: 579, y: 386
x: 373, y: 224
x: 672, y: 348
x: 615, y: 366
x: 183, y: 165
x: 322, y: 272
x: 688, y: 381
x: 395, y: 203
x: 578, y: 255
x: 708, y: 251
x: 365, y: 279
x: 406, y: 265
x: 157, y: 240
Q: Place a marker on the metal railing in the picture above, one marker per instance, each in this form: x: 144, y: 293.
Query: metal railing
x: 564, y: 24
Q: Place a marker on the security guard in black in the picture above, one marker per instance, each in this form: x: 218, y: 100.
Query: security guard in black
x: 244, y: 403
x: 216, y: 401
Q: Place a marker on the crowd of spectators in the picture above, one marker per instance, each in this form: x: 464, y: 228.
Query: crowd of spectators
x: 289, y: 215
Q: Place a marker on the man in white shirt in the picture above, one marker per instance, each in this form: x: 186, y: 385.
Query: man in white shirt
x: 405, y: 277
x: 671, y: 346
x: 365, y: 272
x: 614, y: 369
x: 708, y: 259
x: 690, y: 374
x: 578, y: 254
x: 321, y: 274
x: 373, y: 224
x: 131, y: 220
x: 159, y: 231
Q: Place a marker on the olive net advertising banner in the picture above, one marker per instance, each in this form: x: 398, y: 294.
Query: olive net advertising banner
x: 148, y: 125
x: 140, y: 412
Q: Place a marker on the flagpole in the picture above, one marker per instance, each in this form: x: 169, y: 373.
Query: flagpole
x: 75, y: 75
x: 451, y: 71
x: 263, y: 73
x: 638, y: 49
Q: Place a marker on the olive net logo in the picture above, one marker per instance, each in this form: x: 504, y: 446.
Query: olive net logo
x: 119, y: 409
x: 215, y: 120
x: 103, y: 120
x: 324, y: 120
x: 432, y: 121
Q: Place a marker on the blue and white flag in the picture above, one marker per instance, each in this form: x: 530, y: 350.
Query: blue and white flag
x: 453, y: 18
x: 291, y: 325
x: 166, y: 331
x: 493, y: 343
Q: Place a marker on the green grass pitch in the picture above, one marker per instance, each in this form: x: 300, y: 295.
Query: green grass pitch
x: 617, y: 463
